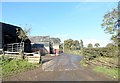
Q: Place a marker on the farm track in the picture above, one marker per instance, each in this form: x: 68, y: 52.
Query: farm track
x: 65, y: 67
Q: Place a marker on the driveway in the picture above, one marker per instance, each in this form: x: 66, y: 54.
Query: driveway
x: 65, y: 67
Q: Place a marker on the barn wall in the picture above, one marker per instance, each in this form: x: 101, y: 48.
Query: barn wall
x: 56, y: 46
x: 8, y: 35
x: 48, y: 49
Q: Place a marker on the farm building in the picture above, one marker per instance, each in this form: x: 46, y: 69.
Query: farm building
x: 55, y: 44
x: 50, y: 44
x: 8, y: 35
x: 39, y: 41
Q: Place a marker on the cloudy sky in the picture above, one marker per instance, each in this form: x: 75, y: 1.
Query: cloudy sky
x: 76, y: 20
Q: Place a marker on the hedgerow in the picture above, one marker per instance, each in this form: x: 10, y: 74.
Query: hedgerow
x: 105, y: 51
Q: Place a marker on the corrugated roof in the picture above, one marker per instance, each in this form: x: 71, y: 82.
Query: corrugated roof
x: 35, y: 39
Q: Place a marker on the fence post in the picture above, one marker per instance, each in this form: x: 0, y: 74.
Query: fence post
x: 22, y: 54
x: 40, y: 57
x: 2, y: 50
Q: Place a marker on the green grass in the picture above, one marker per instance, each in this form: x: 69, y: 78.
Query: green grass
x: 11, y: 67
x: 75, y: 52
x: 82, y: 63
x: 113, y: 72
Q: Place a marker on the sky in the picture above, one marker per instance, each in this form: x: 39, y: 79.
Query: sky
x: 75, y: 20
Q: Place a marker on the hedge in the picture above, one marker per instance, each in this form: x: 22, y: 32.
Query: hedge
x: 107, y: 52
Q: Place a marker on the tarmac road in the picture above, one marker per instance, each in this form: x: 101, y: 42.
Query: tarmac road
x: 60, y: 68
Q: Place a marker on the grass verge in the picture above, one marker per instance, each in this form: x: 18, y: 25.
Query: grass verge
x: 75, y: 52
x: 109, y: 71
x: 11, y: 67
x: 112, y: 72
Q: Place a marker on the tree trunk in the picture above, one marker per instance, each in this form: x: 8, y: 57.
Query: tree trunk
x: 22, y: 54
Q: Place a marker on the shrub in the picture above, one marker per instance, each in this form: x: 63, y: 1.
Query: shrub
x: 107, y: 52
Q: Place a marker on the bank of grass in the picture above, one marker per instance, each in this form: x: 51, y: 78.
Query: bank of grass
x: 112, y: 72
x: 83, y: 63
x: 11, y: 67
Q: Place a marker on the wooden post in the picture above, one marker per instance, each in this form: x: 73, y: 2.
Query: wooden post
x: 22, y: 54
x: 22, y: 50
x: 3, y: 52
x: 40, y: 57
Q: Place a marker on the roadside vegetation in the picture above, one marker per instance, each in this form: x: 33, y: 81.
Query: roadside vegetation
x: 74, y: 52
x: 72, y: 47
x: 104, y: 60
x: 101, y: 59
x: 14, y: 66
x: 112, y: 72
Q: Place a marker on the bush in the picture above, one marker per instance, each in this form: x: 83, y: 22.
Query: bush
x: 107, y: 52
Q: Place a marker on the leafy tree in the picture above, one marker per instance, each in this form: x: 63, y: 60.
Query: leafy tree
x: 111, y: 23
x: 68, y: 44
x: 81, y: 44
x: 97, y: 44
x: 73, y: 47
x: 110, y: 45
x: 76, y: 45
x: 71, y: 44
x: 90, y: 46
x: 61, y: 46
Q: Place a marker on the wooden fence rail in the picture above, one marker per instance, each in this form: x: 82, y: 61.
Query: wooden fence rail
x: 34, y: 59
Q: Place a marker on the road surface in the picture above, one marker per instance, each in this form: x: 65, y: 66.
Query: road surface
x: 60, y: 68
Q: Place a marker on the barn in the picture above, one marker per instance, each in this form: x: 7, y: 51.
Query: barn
x: 41, y: 40
x: 8, y: 35
x: 51, y: 45
x: 55, y: 44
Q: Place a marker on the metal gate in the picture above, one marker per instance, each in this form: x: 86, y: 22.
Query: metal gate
x: 15, y: 47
